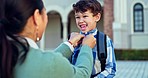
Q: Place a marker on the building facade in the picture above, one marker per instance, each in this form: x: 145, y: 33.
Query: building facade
x: 127, y: 25
x: 130, y: 26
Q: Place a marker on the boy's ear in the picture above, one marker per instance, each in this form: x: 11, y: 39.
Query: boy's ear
x: 98, y: 17
x: 36, y: 17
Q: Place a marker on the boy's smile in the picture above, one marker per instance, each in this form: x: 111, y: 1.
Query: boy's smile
x: 83, y: 27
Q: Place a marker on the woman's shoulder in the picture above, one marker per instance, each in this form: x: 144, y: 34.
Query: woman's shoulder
x: 45, y: 56
x: 56, y: 62
x: 39, y: 63
x: 42, y: 59
x: 38, y: 53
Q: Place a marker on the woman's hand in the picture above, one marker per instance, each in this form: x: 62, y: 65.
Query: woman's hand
x: 75, y: 38
x: 89, y: 40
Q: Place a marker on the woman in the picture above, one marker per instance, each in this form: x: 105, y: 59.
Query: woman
x: 22, y: 23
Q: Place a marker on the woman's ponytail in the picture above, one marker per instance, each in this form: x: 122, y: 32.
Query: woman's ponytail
x: 14, y: 15
x: 5, y: 52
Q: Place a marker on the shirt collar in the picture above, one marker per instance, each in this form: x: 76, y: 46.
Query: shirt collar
x: 32, y: 43
x: 93, y: 32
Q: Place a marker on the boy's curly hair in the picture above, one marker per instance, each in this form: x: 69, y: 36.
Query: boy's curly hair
x: 83, y: 5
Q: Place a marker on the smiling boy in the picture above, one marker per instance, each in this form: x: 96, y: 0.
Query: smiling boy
x: 87, y: 14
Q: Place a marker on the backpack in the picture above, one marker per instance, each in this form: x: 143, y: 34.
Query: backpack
x: 101, y: 49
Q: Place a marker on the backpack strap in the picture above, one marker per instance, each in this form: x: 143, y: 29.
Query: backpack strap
x: 101, y: 49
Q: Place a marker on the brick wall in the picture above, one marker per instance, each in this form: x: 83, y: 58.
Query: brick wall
x: 108, y: 17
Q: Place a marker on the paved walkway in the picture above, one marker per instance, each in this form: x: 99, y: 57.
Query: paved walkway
x: 132, y: 69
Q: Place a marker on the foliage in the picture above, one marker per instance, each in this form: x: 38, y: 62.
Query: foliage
x: 131, y: 54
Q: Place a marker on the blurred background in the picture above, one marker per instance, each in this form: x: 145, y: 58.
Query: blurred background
x: 124, y: 21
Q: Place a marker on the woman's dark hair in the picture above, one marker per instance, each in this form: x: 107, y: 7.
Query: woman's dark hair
x: 13, y: 17
x: 84, y: 5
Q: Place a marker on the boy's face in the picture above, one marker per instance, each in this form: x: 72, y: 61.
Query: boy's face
x: 86, y: 21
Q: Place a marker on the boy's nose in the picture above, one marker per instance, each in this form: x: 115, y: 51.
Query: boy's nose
x: 81, y: 20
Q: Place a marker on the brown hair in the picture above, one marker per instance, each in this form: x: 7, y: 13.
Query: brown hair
x: 84, y: 5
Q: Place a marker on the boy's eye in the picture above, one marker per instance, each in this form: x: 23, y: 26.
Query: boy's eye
x: 77, y: 17
x: 85, y: 16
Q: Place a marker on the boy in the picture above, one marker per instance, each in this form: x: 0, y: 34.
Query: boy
x: 87, y: 14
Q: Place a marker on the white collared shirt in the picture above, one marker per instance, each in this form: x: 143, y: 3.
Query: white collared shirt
x: 32, y: 43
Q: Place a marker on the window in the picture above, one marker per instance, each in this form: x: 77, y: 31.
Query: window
x: 138, y: 18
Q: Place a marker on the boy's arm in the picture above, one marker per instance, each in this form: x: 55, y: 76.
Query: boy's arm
x: 110, y: 67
